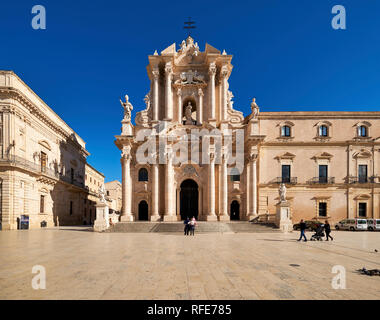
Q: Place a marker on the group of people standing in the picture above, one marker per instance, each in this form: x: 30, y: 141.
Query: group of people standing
x: 189, y: 226
x: 326, y: 227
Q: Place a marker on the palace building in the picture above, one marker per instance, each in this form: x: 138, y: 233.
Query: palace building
x: 329, y: 161
x: 45, y: 179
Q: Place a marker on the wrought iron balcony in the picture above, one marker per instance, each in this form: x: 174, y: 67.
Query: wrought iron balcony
x: 322, y: 180
x: 372, y: 179
x: 17, y: 161
x: 286, y: 180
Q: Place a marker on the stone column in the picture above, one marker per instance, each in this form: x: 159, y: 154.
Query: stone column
x: 126, y: 214
x: 200, y: 107
x: 154, y: 215
x: 168, y: 92
x: 224, y: 74
x: 179, y: 95
x: 212, y: 72
x: 156, y: 74
x: 170, y: 214
x: 211, y: 191
x: 223, y: 214
x: 253, y: 160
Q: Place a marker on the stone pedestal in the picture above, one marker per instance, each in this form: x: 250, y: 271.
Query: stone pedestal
x: 127, y: 129
x: 171, y: 218
x: 211, y: 218
x: 224, y: 218
x: 128, y: 218
x: 283, y: 221
x: 102, y: 217
x: 155, y: 218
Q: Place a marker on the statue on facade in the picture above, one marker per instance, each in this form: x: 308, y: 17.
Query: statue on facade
x: 127, y: 108
x: 102, y: 194
x: 282, y: 192
x: 255, y: 109
x: 188, y: 113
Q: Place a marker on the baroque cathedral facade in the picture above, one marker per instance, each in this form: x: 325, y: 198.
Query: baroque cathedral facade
x: 190, y: 153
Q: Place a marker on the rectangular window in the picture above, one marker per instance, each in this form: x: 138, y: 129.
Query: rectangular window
x: 362, y: 209
x: 323, y: 173
x: 43, y: 161
x: 71, y: 208
x: 285, y: 173
x: 42, y: 204
x: 363, y: 177
x: 322, y: 209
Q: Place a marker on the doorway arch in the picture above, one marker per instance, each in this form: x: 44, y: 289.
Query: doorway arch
x: 189, y: 199
x: 235, y: 210
x: 143, y: 211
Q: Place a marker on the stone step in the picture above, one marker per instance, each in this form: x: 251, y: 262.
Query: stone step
x: 202, y: 227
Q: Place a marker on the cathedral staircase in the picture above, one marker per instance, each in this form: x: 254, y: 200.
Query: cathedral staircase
x: 202, y: 227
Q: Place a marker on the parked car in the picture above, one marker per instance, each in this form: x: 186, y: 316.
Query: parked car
x: 310, y: 225
x: 373, y: 224
x: 352, y: 224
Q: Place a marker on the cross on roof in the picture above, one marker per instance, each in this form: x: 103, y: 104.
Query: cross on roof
x: 189, y: 25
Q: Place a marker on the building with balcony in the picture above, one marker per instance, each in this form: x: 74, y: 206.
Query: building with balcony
x: 42, y: 161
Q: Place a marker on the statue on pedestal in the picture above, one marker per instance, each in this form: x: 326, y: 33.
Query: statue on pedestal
x: 127, y: 108
x: 188, y: 113
x: 255, y: 108
x: 102, y: 194
x: 282, y: 192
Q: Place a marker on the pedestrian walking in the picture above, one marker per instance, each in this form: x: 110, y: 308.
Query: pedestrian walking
x: 187, y: 226
x: 303, y: 229
x: 193, y: 224
x: 328, y: 231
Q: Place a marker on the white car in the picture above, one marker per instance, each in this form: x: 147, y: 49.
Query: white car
x: 373, y: 224
x: 352, y: 224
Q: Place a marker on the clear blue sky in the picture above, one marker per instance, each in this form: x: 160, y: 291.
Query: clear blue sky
x: 285, y: 53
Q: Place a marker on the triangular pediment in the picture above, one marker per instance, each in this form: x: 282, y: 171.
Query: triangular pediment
x: 169, y: 50
x: 323, y: 155
x: 210, y: 49
x: 286, y: 155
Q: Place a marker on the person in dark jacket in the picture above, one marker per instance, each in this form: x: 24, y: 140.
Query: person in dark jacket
x: 187, y: 226
x: 302, y: 228
x: 328, y: 231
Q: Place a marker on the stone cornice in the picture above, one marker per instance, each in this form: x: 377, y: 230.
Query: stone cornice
x: 39, y: 114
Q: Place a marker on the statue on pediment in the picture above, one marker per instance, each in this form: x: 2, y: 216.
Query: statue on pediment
x: 188, y: 113
x: 127, y: 108
x: 255, y: 108
x: 282, y: 192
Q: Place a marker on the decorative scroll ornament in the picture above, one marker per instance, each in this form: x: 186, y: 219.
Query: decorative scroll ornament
x: 233, y: 115
x: 190, y: 77
x: 143, y: 117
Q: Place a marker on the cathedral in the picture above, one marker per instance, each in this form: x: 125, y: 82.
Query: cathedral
x: 190, y: 153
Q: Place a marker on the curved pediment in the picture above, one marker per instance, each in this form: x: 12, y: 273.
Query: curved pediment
x: 363, y: 153
x: 45, y: 144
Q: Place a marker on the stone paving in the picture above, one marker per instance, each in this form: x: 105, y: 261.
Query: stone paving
x: 86, y: 265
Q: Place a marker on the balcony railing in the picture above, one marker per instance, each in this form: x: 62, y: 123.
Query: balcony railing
x: 322, y: 180
x: 373, y: 179
x: 37, y: 168
x: 286, y: 180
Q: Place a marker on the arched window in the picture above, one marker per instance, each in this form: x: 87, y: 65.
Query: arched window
x: 362, y: 131
x: 143, y: 174
x: 285, y: 131
x: 323, y: 131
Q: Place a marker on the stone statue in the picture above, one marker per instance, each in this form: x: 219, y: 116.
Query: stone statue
x: 188, y: 113
x: 282, y: 192
x: 102, y: 194
x: 255, y: 109
x: 127, y: 108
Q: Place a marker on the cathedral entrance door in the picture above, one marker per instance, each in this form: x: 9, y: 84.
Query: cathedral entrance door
x: 143, y: 211
x: 189, y: 199
x: 235, y: 208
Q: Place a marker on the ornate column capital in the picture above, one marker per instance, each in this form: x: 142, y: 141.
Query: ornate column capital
x: 155, y: 73
x: 200, y: 92
x: 224, y: 71
x: 253, y: 157
x: 168, y: 69
x: 212, y: 69
x: 179, y: 92
x: 126, y: 153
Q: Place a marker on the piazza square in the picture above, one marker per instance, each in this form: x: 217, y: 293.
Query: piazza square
x: 81, y: 264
